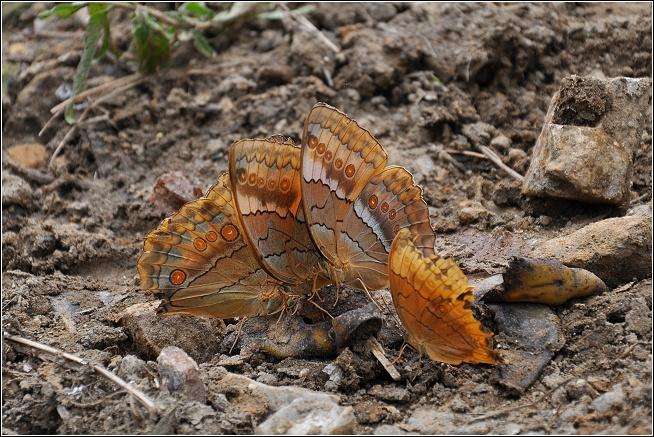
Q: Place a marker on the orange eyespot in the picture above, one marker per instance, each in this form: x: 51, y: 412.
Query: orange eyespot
x: 384, y: 207
x: 252, y: 179
x: 391, y: 214
x: 285, y: 184
x: 271, y: 184
x: 372, y: 201
x: 328, y: 155
x: 313, y: 142
x: 200, y: 244
x: 396, y: 229
x: 177, y: 277
x: 338, y: 163
x: 261, y: 182
x: 229, y: 232
x: 211, y: 236
x: 349, y: 170
x: 321, y: 149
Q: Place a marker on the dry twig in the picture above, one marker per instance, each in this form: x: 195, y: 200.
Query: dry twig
x: 489, y: 154
x: 378, y: 351
x: 492, y: 156
x: 308, y: 25
x: 86, y: 112
x: 139, y: 395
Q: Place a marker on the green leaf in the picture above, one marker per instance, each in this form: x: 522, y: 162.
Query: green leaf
x: 202, y: 44
x: 151, y: 43
x: 63, y: 10
x: 197, y: 9
x: 98, y: 9
x: 91, y: 38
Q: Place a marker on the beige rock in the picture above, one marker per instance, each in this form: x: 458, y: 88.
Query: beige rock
x: 31, y: 155
x: 150, y: 332
x: 294, y: 410
x: 586, y: 147
x: 616, y: 249
x: 15, y: 191
x: 179, y: 373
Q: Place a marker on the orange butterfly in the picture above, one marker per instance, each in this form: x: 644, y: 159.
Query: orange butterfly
x: 287, y: 221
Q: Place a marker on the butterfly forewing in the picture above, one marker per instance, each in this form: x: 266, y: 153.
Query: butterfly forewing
x: 338, y: 160
x: 265, y: 174
x: 432, y: 298
x: 198, y: 261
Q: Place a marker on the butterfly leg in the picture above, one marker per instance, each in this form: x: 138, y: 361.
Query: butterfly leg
x: 370, y: 296
x: 239, y: 328
x: 281, y: 314
x: 321, y: 308
x: 404, y: 345
x: 338, y: 295
x: 314, y: 288
x: 386, y: 308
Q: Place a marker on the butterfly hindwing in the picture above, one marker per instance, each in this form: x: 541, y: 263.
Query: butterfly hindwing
x: 198, y: 261
x: 389, y: 202
x: 433, y: 299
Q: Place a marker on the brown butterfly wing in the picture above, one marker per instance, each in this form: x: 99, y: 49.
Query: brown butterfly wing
x: 198, y: 261
x: 433, y: 300
x: 265, y: 174
x: 338, y: 159
x: 389, y: 202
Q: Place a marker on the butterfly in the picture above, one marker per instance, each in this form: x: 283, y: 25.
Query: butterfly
x: 433, y: 300
x: 364, y: 215
x: 287, y: 220
x: 242, y: 249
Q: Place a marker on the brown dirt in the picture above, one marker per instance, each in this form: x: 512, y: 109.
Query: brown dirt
x: 423, y: 78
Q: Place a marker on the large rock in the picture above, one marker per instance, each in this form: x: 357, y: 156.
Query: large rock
x: 616, y: 249
x: 586, y: 147
x: 150, y: 332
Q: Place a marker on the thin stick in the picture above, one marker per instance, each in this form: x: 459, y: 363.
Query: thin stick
x: 520, y: 407
x: 114, y: 83
x: 140, y: 396
x: 160, y: 15
x: 497, y: 161
x: 91, y: 105
x: 68, y: 136
x: 466, y: 153
x: 378, y: 351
